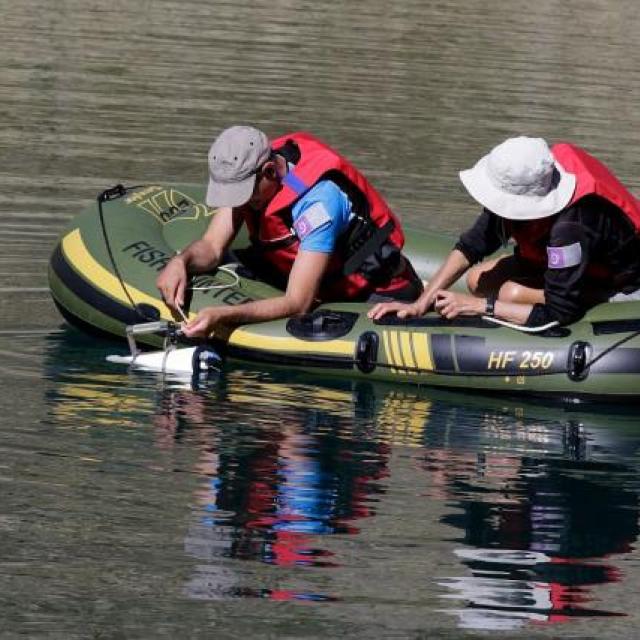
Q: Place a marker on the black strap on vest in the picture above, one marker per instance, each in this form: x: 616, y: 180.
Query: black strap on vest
x: 289, y: 151
x: 364, y: 245
x: 370, y: 246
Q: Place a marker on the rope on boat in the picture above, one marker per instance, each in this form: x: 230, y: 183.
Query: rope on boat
x: 228, y: 285
x: 610, y: 348
x: 518, y: 327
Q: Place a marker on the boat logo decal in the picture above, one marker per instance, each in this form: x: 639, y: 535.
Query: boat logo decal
x: 167, y: 205
x: 522, y: 360
x: 146, y: 253
x: 409, y: 352
x: 155, y: 258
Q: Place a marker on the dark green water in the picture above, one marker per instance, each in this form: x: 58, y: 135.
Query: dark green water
x: 265, y: 504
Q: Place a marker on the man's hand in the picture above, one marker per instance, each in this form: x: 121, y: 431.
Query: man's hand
x: 205, y: 323
x: 198, y: 257
x: 172, y: 283
x: 402, y: 309
x: 451, y: 269
x: 450, y: 305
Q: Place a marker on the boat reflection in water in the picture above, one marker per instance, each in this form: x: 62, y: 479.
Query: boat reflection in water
x: 537, y: 501
x: 541, y: 505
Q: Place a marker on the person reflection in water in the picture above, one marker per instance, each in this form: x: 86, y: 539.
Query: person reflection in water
x: 535, y: 531
x: 272, y: 489
x: 538, y: 529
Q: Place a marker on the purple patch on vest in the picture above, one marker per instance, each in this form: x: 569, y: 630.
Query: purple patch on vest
x: 314, y: 217
x: 562, y: 257
x: 303, y: 227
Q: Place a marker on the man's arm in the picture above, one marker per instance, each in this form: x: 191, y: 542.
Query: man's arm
x: 304, y: 282
x: 451, y: 269
x: 569, y: 254
x: 451, y: 305
x: 201, y: 255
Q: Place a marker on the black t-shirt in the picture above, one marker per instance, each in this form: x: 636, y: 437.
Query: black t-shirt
x: 606, y: 238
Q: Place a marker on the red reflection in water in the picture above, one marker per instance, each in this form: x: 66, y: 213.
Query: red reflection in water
x: 537, y: 533
x: 273, y: 491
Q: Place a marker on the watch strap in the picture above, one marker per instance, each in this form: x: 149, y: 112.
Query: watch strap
x: 490, y: 308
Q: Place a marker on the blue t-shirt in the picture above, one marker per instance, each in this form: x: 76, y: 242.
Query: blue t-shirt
x: 321, y: 216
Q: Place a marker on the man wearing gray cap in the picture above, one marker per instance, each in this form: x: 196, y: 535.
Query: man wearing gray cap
x: 576, y: 229
x: 318, y: 229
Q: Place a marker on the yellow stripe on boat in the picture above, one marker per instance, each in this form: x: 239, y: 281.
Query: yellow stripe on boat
x: 397, y: 346
x: 387, y: 351
x: 422, y: 351
x: 395, y: 351
x: 407, y: 354
x: 251, y: 340
x: 76, y: 252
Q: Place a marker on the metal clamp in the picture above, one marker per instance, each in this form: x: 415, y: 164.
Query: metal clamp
x: 170, y: 330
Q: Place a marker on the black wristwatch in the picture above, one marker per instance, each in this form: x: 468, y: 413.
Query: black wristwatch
x: 490, y: 308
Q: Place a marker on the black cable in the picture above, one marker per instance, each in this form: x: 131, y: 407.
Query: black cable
x: 106, y: 196
x: 610, y: 348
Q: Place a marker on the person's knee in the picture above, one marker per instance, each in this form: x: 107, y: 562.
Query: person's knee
x: 510, y: 292
x: 513, y: 292
x: 485, y: 278
x: 473, y: 279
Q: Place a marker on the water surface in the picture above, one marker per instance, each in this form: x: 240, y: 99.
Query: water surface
x: 265, y: 504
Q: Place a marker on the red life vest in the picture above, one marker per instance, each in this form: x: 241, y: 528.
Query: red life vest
x: 592, y: 178
x: 271, y: 231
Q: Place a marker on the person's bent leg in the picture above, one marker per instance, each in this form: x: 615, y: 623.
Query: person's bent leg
x: 515, y: 292
x: 509, y: 279
x: 487, y: 277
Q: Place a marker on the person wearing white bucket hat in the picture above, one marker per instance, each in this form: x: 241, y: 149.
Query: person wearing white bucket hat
x: 520, y: 180
x: 576, y: 231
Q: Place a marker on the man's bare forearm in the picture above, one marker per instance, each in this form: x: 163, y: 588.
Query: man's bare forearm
x: 261, y: 310
x: 452, y: 268
x: 199, y: 256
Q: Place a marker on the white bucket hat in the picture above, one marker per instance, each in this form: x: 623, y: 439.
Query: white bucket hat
x: 520, y: 180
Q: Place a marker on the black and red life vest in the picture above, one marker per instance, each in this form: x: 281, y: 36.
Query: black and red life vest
x: 592, y: 178
x: 272, y: 234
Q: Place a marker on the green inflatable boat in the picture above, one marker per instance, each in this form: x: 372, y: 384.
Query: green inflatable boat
x: 102, y: 276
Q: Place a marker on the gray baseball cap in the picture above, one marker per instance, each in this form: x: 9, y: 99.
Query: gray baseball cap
x: 234, y: 158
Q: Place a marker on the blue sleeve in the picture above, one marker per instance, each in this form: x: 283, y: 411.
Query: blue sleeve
x: 321, y: 216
